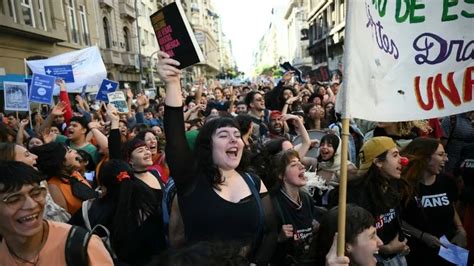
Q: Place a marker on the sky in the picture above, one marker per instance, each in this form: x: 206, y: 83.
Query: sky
x: 244, y: 22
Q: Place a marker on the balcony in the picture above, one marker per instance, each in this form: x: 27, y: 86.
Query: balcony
x: 127, y: 10
x: 129, y: 59
x: 106, y: 3
x: 9, y: 26
x: 111, y: 57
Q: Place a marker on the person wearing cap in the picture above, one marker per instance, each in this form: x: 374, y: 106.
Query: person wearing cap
x: 277, y: 126
x: 377, y: 189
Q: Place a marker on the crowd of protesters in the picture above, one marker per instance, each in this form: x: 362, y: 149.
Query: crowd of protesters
x: 214, y: 174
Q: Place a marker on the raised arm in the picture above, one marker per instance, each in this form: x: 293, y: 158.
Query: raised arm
x: 303, y: 148
x: 64, y: 98
x: 22, y: 134
x: 114, y: 136
x: 178, y: 153
x: 57, y: 110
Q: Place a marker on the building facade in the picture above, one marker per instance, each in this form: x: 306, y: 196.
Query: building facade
x: 206, y: 24
x: 297, y: 26
x: 119, y: 40
x: 273, y: 46
x: 326, y: 36
x: 40, y: 29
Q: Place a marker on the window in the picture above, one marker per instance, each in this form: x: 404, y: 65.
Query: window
x: 143, y: 10
x: 73, y: 21
x: 106, y: 32
x: 27, y: 10
x: 126, y: 36
x: 152, y: 39
x: 42, y: 14
x: 85, y: 27
x: 145, y: 35
x: 11, y: 9
x: 341, y: 11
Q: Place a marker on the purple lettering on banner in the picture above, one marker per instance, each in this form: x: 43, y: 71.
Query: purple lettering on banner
x: 383, y: 41
x: 441, y: 49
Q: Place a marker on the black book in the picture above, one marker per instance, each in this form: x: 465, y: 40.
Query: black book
x: 175, y: 36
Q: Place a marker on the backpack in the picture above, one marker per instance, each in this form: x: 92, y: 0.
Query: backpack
x: 78, y: 240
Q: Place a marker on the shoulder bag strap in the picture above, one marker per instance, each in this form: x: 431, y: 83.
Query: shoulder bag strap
x: 251, y: 183
x: 85, y: 214
x: 76, y: 246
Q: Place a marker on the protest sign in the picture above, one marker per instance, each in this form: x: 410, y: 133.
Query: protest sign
x: 106, y: 87
x: 42, y: 87
x: 408, y: 60
x: 87, y: 67
x: 16, y: 96
x: 118, y: 99
x: 28, y: 82
x: 63, y: 71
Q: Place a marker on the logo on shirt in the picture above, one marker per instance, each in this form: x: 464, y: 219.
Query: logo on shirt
x: 468, y: 163
x: 437, y: 200
x: 385, y: 218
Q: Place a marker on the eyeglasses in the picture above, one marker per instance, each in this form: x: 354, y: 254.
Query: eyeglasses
x: 16, y: 201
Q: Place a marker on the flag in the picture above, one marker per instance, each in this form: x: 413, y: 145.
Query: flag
x: 406, y: 60
x: 87, y: 67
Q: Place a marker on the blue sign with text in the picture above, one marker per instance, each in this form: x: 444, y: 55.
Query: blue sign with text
x: 107, y: 86
x: 42, y: 87
x: 60, y: 71
x: 28, y: 81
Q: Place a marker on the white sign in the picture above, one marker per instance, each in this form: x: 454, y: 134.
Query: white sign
x: 87, y: 67
x: 408, y: 60
x: 16, y: 96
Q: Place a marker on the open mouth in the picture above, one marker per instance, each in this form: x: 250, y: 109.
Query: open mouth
x: 302, y: 176
x: 232, y: 152
x: 28, y: 219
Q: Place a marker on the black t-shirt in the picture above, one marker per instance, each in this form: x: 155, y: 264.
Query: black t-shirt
x: 387, y: 219
x: 206, y: 215
x: 294, y: 249
x: 432, y: 209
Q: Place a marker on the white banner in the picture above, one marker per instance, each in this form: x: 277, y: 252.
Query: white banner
x: 87, y: 67
x: 408, y: 60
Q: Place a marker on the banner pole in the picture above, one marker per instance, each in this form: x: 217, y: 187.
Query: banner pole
x: 341, y: 221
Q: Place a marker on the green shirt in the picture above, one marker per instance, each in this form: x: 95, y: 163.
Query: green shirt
x: 89, y: 148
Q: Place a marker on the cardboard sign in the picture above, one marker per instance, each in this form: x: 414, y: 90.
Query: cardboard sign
x: 16, y: 96
x: 62, y: 71
x: 42, y: 87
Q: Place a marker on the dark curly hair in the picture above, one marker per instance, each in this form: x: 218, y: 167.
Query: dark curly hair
x: 203, y: 149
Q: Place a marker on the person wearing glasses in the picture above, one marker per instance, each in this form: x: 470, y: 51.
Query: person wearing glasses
x: 28, y: 239
x: 15, y: 152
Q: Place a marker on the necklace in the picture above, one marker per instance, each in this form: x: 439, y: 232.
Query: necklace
x: 22, y: 260
x: 140, y: 172
x: 298, y: 202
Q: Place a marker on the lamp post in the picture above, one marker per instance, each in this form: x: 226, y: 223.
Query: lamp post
x: 139, y: 48
x: 151, y: 69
